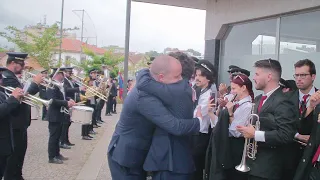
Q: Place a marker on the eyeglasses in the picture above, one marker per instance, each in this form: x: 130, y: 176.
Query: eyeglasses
x: 239, y: 77
x: 302, y: 76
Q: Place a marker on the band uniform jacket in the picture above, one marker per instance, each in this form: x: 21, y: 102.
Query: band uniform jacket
x: 278, y: 120
x: 304, y: 126
x: 169, y: 152
x: 305, y: 163
x: 54, y: 112
x: 6, y: 137
x: 21, y: 115
x: 69, y: 90
x: 113, y: 90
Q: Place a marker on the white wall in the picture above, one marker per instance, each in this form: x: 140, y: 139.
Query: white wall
x: 76, y: 56
x: 221, y: 12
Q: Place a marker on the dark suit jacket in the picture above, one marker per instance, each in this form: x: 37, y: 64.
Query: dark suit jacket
x: 278, y: 120
x: 139, y: 117
x: 113, y: 90
x: 305, y: 164
x: 42, y: 92
x: 21, y: 115
x: 6, y: 138
x: 169, y: 152
x: 69, y: 90
x: 54, y: 114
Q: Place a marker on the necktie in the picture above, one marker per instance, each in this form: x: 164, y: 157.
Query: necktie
x: 263, y: 98
x: 315, y: 157
x: 236, y: 106
x: 303, y: 105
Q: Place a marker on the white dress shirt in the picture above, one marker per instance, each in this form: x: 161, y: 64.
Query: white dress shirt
x: 259, y: 135
x: 240, y: 116
x: 203, y: 103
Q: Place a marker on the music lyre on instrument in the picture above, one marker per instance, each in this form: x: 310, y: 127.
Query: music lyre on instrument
x: 250, y: 148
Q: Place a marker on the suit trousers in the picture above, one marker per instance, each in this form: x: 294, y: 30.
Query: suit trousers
x: 44, y: 112
x: 99, y: 109
x: 200, y: 143
x: 3, y: 165
x: 16, y: 160
x: 94, y: 114
x: 314, y: 174
x: 114, y: 105
x: 109, y: 105
x: 55, y: 129
x: 64, y: 138
x: 85, y: 128
x: 165, y: 175
x: 119, y: 172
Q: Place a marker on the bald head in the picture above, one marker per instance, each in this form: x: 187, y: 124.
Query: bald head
x: 166, y: 69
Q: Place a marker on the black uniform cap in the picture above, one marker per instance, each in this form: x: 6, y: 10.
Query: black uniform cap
x: 236, y: 71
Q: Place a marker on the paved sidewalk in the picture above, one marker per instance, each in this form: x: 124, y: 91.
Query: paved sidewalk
x: 36, y: 166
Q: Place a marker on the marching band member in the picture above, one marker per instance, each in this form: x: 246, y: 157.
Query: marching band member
x: 226, y: 144
x: 7, y: 105
x: 56, y: 117
x: 21, y: 116
x: 277, y: 120
x: 43, y: 93
x: 305, y: 74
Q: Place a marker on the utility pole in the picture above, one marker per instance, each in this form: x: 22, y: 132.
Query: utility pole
x: 127, y: 48
x: 61, y: 32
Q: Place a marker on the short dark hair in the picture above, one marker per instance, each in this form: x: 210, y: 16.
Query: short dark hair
x: 306, y: 62
x: 270, y: 64
x: 209, y: 75
x: 187, y: 64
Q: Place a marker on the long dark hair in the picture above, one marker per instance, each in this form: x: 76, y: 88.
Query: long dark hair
x: 243, y: 80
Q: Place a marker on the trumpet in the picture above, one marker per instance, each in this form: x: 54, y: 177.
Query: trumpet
x: 250, y: 147
x: 49, y: 83
x: 90, y: 90
x: 29, y: 99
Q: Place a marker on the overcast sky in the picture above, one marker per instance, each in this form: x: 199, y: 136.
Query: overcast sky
x: 153, y: 27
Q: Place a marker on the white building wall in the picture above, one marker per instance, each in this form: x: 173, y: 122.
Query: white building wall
x: 221, y: 12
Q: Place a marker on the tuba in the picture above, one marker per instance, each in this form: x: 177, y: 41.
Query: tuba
x: 250, y: 145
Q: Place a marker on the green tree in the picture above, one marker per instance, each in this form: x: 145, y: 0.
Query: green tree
x: 153, y: 53
x: 40, y: 46
x: 109, y: 59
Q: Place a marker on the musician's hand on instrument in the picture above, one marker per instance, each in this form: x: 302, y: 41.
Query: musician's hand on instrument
x: 223, y: 89
x: 17, y: 93
x: 229, y: 106
x: 38, y: 78
x: 315, y: 99
x: 247, y: 131
x: 199, y: 114
x: 83, y: 88
x: 303, y: 138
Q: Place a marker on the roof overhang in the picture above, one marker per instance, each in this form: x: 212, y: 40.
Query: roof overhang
x: 194, y: 4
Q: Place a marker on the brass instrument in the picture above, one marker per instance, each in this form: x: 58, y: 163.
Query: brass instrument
x: 250, y: 146
x: 29, y: 99
x: 49, y: 83
x: 90, y: 90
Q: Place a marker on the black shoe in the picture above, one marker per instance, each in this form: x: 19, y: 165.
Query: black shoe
x: 62, y: 158
x: 70, y: 144
x: 101, y: 120
x: 89, y: 136
x: 65, y: 146
x: 86, y: 138
x: 95, y: 126
x: 114, y: 112
x: 92, y: 132
x: 109, y: 114
x: 55, y: 161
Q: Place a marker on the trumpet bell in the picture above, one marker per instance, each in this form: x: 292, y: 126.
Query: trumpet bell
x: 243, y: 168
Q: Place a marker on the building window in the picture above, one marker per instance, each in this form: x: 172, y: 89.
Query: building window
x: 299, y: 39
x: 246, y: 43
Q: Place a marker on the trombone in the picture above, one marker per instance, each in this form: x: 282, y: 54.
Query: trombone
x: 29, y: 99
x: 250, y: 146
x: 49, y: 83
x: 90, y: 90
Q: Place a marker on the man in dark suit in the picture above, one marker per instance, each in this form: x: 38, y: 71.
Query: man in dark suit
x: 43, y: 93
x: 21, y: 116
x: 140, y: 115
x: 170, y: 156
x: 309, y: 164
x: 305, y: 74
x: 71, y: 92
x: 7, y: 105
x: 111, y: 98
x: 277, y: 123
x: 56, y: 117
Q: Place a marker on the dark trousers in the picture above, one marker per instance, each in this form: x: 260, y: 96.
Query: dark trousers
x: 44, y: 112
x: 114, y: 105
x: 199, y: 146
x: 99, y: 109
x: 55, y: 129
x: 3, y: 165
x: 165, y: 175
x: 109, y: 105
x: 64, y: 138
x: 314, y: 174
x: 85, y: 128
x: 119, y: 172
x: 15, y: 161
x: 256, y: 178
x: 94, y: 114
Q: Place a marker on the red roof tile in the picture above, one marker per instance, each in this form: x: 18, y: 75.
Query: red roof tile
x: 74, y: 45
